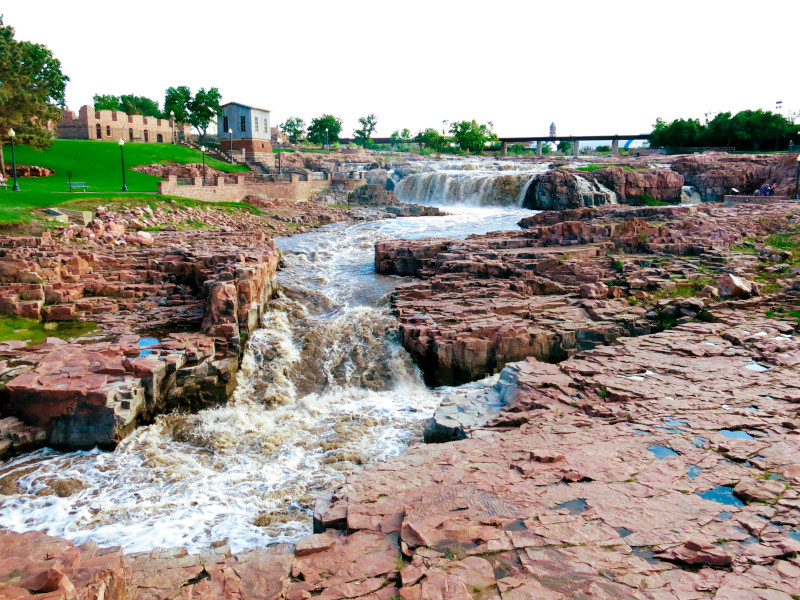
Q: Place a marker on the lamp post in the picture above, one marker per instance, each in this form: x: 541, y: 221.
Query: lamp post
x: 12, y: 134
x: 122, y: 159
x: 172, y: 125
x: 797, y: 179
x: 326, y: 138
x: 203, y: 149
x: 230, y: 133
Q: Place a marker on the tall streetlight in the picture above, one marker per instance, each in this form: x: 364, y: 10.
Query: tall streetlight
x: 12, y: 134
x: 230, y: 133
x: 797, y: 180
x: 172, y: 124
x: 326, y: 138
x: 203, y: 149
x: 122, y: 159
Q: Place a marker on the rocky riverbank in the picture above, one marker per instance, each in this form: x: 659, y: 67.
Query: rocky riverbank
x: 135, y: 312
x: 661, y: 467
x: 640, y: 440
x: 574, y: 280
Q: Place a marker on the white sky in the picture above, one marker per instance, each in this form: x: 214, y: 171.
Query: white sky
x: 593, y: 67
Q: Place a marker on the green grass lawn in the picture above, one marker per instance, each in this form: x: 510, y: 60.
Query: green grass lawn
x: 96, y: 163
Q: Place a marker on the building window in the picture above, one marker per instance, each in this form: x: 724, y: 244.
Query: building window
x: 243, y: 123
x: 108, y: 130
x: 146, y: 136
x: 225, y: 124
x: 256, y: 127
x: 99, y: 132
x: 130, y: 134
x: 160, y: 138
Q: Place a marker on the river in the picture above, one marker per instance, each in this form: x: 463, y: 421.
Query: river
x: 325, y: 388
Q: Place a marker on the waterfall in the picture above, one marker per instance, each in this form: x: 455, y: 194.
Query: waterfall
x: 476, y: 182
x: 690, y: 195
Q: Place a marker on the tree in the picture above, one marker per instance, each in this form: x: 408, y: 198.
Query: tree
x: 472, y: 137
x: 401, y: 137
x: 325, y: 129
x: 719, y: 132
x: 293, y: 127
x: 430, y: 138
x: 203, y: 108
x: 106, y: 102
x: 139, y: 105
x: 32, y: 90
x: 754, y: 128
x: 565, y: 146
x: 603, y: 149
x: 363, y: 136
x: 680, y: 133
x: 129, y: 104
x: 546, y: 149
x: 177, y: 100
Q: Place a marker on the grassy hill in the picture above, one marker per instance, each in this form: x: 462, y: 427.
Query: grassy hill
x: 96, y: 163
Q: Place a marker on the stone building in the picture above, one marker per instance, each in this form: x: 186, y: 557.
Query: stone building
x: 245, y: 129
x: 552, y: 129
x: 112, y: 125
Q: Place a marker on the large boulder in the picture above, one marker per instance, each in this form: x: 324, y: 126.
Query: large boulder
x: 663, y: 185
x: 559, y: 189
x: 731, y: 286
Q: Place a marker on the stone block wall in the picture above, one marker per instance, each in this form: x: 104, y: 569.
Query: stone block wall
x: 297, y: 189
x: 110, y: 125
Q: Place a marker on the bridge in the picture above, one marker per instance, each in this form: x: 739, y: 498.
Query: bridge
x: 575, y: 139
x: 542, y: 139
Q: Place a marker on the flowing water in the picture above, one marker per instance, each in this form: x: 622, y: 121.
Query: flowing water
x: 477, y: 182
x: 325, y: 387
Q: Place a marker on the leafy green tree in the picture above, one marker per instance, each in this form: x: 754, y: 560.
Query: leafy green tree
x: 401, y: 137
x: 430, y: 138
x: 603, y: 149
x: 471, y: 136
x: 363, y: 136
x: 106, y: 102
x: 680, y: 133
x: 293, y: 127
x: 755, y: 128
x: 719, y: 132
x: 139, y: 105
x: 32, y: 90
x: 565, y: 146
x: 203, y: 108
x: 546, y: 149
x: 177, y: 100
x: 319, y: 126
x: 129, y: 104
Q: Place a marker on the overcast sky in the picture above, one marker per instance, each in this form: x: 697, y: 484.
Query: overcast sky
x: 592, y: 67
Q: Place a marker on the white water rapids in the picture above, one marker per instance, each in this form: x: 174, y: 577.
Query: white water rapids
x: 324, y: 388
x: 475, y: 182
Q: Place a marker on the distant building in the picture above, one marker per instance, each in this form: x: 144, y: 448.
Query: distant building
x: 249, y: 129
x: 552, y: 129
x: 113, y: 125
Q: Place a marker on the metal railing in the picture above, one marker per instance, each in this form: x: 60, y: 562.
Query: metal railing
x: 185, y: 181
x: 209, y: 181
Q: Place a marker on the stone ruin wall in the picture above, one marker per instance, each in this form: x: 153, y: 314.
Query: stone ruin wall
x: 115, y: 125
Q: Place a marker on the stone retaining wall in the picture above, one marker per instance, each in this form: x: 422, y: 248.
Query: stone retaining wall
x: 298, y: 188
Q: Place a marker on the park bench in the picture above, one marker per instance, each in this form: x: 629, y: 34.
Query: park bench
x: 77, y: 185
x: 3, y: 184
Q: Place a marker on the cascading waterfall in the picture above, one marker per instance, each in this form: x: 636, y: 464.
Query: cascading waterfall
x: 476, y: 182
x: 690, y: 195
x: 324, y: 388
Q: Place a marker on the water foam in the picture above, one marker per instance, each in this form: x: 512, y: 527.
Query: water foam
x: 323, y: 389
